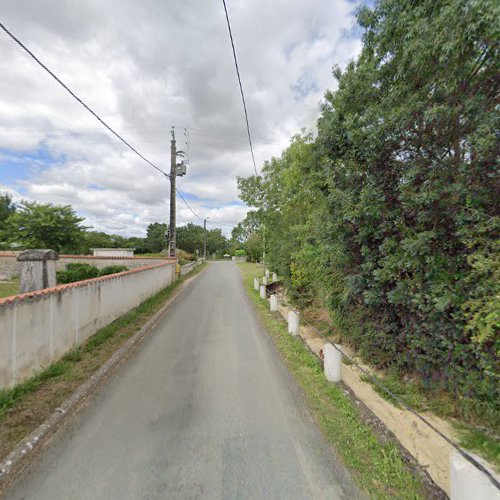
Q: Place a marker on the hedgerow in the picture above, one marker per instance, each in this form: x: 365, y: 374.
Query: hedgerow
x: 390, y: 216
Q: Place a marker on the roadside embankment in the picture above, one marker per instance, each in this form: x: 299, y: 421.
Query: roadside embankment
x: 376, y: 462
x: 430, y: 440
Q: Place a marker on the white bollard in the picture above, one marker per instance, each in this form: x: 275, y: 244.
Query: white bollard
x: 293, y: 322
x: 275, y: 276
x: 256, y: 284
x: 332, y: 361
x: 274, y: 302
x: 265, y: 280
x: 467, y: 481
x: 267, y: 272
x: 262, y: 292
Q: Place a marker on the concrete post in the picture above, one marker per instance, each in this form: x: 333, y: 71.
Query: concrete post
x: 274, y: 302
x: 332, y: 363
x: 267, y: 272
x: 293, y: 322
x: 275, y: 276
x: 467, y: 481
x: 263, y: 292
x: 38, y: 269
x: 256, y: 284
x: 265, y: 280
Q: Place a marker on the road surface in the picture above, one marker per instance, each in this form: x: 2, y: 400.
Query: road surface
x: 204, y: 409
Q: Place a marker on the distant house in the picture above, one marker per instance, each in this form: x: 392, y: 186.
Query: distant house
x: 113, y: 252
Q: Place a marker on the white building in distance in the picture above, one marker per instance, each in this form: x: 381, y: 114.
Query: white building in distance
x: 113, y: 252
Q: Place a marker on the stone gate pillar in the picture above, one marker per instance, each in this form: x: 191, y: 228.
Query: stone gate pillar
x: 38, y: 269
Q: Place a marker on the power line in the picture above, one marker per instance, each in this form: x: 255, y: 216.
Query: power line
x: 400, y: 401
x: 90, y: 110
x: 241, y: 87
x: 187, y: 205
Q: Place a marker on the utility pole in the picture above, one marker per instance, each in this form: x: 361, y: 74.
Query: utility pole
x: 205, y: 239
x: 173, y: 176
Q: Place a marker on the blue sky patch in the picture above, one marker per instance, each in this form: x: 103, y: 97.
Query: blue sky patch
x: 21, y: 165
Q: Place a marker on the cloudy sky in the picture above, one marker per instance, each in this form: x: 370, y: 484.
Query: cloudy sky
x: 145, y: 66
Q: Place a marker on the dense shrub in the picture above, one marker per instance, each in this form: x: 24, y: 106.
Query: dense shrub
x: 77, y: 272
x: 184, y: 256
x: 80, y: 271
x: 112, y: 270
x: 391, y: 215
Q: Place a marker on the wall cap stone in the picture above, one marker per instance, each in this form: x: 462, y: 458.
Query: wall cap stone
x: 38, y: 255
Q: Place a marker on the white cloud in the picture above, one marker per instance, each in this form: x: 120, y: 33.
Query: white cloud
x: 144, y: 66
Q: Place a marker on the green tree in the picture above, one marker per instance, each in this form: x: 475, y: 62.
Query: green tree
x: 7, y: 208
x: 155, y: 237
x: 391, y: 216
x: 38, y: 225
x: 244, y: 229
x: 253, y: 247
x: 217, y: 242
x: 190, y: 238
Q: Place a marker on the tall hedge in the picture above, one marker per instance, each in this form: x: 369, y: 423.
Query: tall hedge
x: 395, y: 219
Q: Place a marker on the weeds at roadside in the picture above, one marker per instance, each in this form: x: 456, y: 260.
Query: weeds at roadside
x: 377, y: 467
x: 28, y: 404
x: 476, y: 433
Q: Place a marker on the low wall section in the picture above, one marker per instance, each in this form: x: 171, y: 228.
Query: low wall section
x: 9, y: 267
x: 37, y: 328
x: 187, y: 268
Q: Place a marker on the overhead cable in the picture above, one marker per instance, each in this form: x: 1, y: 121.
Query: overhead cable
x: 90, y: 110
x: 400, y: 401
x: 241, y: 87
x: 187, y: 205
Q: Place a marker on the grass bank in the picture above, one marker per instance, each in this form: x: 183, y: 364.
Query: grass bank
x: 481, y: 441
x: 376, y: 465
x: 9, y: 288
x: 26, y: 406
x: 474, y: 432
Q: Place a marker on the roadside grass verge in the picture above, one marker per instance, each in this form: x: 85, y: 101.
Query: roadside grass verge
x: 478, y: 433
x: 440, y: 403
x: 26, y: 406
x: 377, y: 467
x: 9, y: 288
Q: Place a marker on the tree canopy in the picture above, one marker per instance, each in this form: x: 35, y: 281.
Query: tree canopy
x: 39, y: 225
x: 390, y: 216
x: 36, y: 225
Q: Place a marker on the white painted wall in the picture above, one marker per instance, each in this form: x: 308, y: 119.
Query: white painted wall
x: 113, y: 252
x: 37, y: 328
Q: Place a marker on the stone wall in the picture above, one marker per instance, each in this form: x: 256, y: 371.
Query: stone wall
x: 37, y: 328
x: 9, y: 267
x: 187, y: 268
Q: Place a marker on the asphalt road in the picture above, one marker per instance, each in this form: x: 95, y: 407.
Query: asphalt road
x: 204, y: 409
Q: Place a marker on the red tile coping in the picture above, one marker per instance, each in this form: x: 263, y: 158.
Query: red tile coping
x: 60, y: 288
x: 98, y: 257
